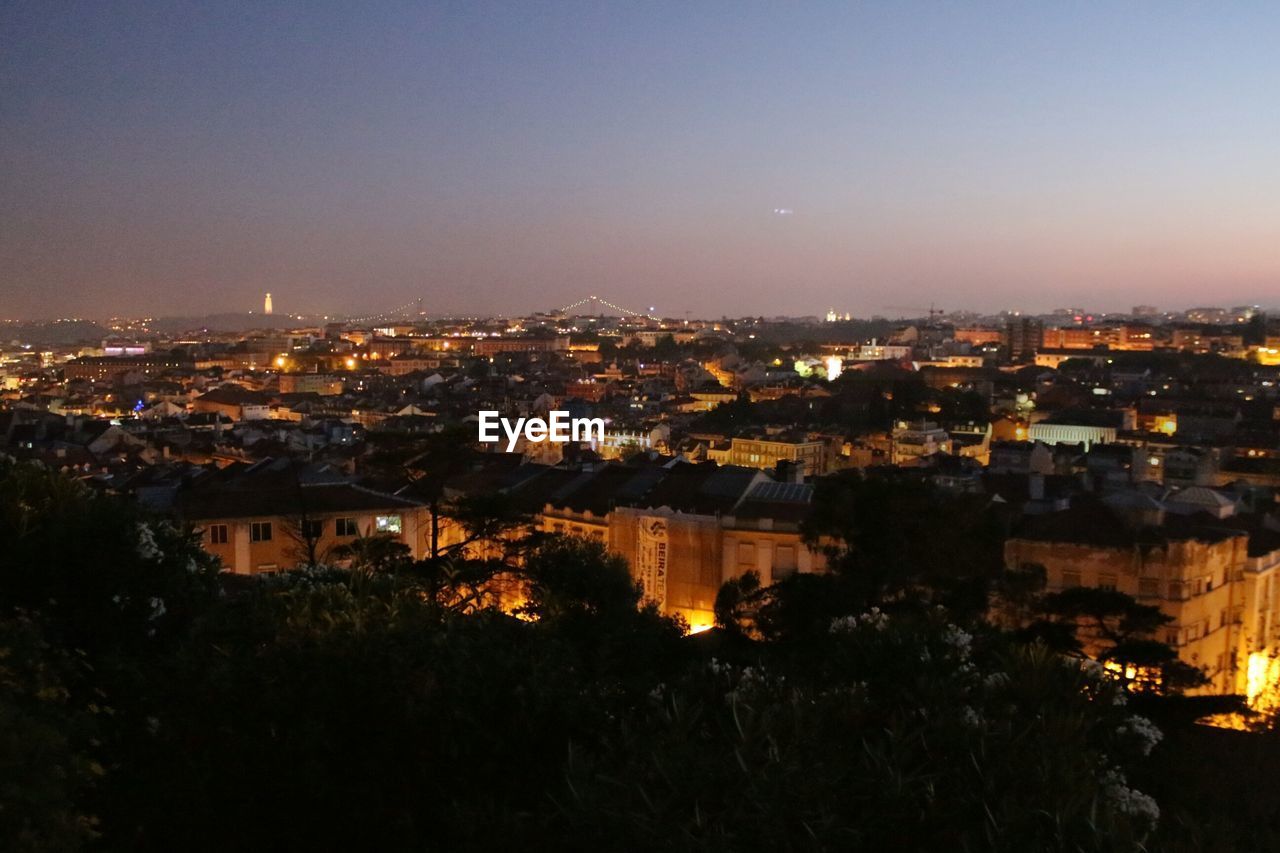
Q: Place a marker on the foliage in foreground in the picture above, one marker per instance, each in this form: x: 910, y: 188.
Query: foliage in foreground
x: 331, y: 709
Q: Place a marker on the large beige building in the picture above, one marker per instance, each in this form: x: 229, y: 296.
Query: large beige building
x: 687, y: 529
x: 1217, y: 580
x: 765, y: 451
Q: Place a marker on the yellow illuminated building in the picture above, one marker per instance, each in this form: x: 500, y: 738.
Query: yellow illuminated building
x: 1219, y: 585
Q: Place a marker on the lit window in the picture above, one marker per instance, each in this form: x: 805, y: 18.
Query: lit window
x: 387, y: 524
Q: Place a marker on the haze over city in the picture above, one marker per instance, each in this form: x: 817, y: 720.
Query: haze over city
x: 164, y: 159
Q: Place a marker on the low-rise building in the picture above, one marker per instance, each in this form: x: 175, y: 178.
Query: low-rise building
x: 324, y: 384
x: 765, y: 451
x: 271, y: 516
x: 913, y: 443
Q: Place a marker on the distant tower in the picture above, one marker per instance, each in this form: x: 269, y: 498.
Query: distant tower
x: 266, y: 306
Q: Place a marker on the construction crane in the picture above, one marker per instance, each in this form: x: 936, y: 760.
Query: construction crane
x: 931, y: 311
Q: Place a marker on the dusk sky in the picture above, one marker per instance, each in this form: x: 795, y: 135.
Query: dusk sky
x: 166, y: 158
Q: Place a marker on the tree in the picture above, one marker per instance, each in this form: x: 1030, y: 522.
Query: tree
x: 302, y: 527
x: 735, y: 603
x: 375, y: 552
x: 1117, y: 629
x: 886, y: 535
x: 569, y: 576
x: 46, y: 738
x: 489, y: 523
x: 102, y: 572
x: 432, y: 469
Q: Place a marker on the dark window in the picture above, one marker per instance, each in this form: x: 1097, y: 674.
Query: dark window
x: 313, y: 528
x: 346, y: 527
x: 260, y: 531
x: 217, y: 534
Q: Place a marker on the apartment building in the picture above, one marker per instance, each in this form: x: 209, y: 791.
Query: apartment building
x: 765, y: 451
x: 686, y: 529
x: 271, y: 516
x: 1216, y: 578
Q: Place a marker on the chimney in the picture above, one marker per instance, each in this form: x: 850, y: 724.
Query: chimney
x: 790, y: 472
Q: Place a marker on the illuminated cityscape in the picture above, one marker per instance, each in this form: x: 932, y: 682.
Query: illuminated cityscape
x: 591, y: 486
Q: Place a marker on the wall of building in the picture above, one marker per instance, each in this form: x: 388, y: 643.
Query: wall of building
x: 285, y: 550
x: 766, y: 454
x: 1199, y: 584
x: 699, y: 553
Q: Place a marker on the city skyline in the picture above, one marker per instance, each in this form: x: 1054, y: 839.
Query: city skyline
x: 497, y: 158
x: 1076, y: 315
x: 592, y: 306
x: 661, y: 426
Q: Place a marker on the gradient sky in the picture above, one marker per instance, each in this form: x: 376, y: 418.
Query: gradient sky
x: 176, y: 158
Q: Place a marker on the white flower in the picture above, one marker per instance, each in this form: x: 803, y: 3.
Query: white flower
x: 957, y: 638
x: 1128, y: 801
x: 843, y: 625
x: 848, y: 624
x: 147, y: 547
x: 1144, y: 732
x: 157, y: 608
x: 970, y: 717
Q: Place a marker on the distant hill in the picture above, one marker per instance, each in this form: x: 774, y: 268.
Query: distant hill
x: 68, y: 332
x: 230, y: 323
x: 53, y: 332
